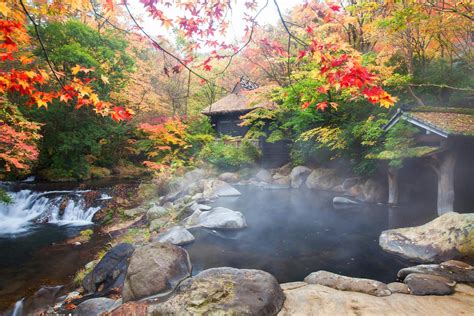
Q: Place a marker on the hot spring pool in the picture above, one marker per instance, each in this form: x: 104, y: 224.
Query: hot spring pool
x: 292, y: 233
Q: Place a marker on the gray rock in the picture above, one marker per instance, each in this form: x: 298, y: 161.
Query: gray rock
x: 225, y: 291
x: 221, y: 188
x: 282, y: 180
x: 110, y: 272
x: 157, y: 224
x: 217, y: 218
x: 350, y: 182
x: 427, y: 284
x: 449, y: 236
x: 323, y: 179
x: 229, y: 177
x: 345, y: 283
x: 177, y: 235
x: 135, y: 211
x: 155, y: 212
x: 264, y: 176
x: 195, y: 206
x: 299, y: 175
x: 398, y: 287
x: 373, y: 191
x: 454, y: 270
x: 345, y: 200
x: 155, y: 270
x: 95, y: 306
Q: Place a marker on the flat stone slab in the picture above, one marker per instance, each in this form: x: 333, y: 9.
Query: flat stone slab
x: 177, y: 235
x: 314, y: 299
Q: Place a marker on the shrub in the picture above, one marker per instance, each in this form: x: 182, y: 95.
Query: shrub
x: 230, y: 156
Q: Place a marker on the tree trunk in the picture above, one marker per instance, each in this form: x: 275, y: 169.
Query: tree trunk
x: 392, y: 185
x: 446, y: 183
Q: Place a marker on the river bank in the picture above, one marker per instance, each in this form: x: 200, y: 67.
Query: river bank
x: 242, y: 223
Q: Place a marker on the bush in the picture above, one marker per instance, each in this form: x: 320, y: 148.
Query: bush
x: 230, y: 156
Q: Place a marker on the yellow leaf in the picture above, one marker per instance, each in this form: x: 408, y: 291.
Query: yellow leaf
x: 104, y: 79
x: 4, y: 10
x: 30, y: 74
x: 75, y: 69
x: 41, y: 103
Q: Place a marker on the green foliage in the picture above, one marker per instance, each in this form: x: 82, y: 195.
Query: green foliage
x: 230, y: 156
x: 400, y: 143
x: 76, y: 139
x: 5, y: 197
x: 87, y: 233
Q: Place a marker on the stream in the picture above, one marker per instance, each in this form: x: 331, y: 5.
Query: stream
x: 32, y: 229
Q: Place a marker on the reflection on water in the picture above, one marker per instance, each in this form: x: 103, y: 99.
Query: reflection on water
x: 292, y: 233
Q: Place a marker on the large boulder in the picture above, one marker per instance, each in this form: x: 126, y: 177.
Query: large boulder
x: 219, y: 217
x: 345, y: 283
x: 155, y: 212
x: 110, y: 272
x: 450, y: 236
x: 155, y: 269
x: 282, y: 180
x: 229, y: 177
x: 95, y: 306
x: 177, y: 235
x: 299, y: 175
x: 264, y: 175
x: 427, y: 284
x: 217, y: 188
x: 454, y: 270
x: 323, y: 179
x: 225, y: 291
x: 373, y: 191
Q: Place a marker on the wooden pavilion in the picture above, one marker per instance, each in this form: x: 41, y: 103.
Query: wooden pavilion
x: 445, y: 135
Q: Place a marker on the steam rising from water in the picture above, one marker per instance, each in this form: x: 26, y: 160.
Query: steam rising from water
x: 30, y: 207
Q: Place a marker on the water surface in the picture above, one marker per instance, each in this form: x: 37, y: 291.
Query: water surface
x: 292, y: 233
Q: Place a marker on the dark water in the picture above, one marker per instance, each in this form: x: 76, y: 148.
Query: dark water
x: 292, y: 233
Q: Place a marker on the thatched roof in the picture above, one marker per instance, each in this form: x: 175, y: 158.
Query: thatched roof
x: 242, y: 101
x: 442, y: 121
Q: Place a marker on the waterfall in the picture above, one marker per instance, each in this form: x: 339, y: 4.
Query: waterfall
x: 18, y: 309
x: 57, y: 207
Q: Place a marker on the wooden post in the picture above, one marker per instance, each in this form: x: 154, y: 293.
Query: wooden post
x: 445, y: 173
x: 392, y: 185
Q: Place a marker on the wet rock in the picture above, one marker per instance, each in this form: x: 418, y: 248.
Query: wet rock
x: 398, y: 287
x: 41, y: 300
x: 299, y: 175
x: 110, y: 272
x: 454, y: 270
x: 155, y: 269
x: 427, y: 284
x: 130, y: 309
x: 345, y: 283
x: 264, y: 176
x: 323, y: 179
x: 95, y: 306
x: 450, y: 236
x: 282, y: 180
x: 229, y: 177
x: 157, y: 224
x: 285, y: 170
x: 345, y: 201
x: 219, y: 218
x: 155, y: 212
x: 177, y: 235
x: 350, y: 182
x: 225, y: 291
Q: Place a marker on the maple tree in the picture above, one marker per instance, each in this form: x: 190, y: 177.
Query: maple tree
x: 18, y: 140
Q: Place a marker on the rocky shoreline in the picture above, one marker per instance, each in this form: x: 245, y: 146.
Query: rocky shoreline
x: 151, y: 274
